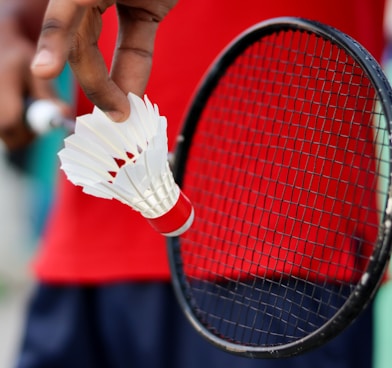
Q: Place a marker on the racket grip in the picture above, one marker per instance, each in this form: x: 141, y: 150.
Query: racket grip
x: 177, y: 220
x: 44, y: 115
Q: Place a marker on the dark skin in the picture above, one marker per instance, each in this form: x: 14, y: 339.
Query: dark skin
x: 70, y: 32
x: 19, y: 31
x: 71, y: 29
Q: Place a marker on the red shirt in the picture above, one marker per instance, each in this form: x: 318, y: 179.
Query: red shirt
x: 89, y: 239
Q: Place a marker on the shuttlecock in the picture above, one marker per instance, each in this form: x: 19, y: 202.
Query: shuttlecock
x: 128, y: 161
x: 44, y: 115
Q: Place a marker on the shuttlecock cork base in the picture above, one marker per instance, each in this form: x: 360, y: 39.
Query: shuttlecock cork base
x: 128, y: 162
x: 172, y: 223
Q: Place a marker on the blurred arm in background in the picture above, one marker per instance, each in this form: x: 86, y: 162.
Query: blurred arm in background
x: 20, y: 24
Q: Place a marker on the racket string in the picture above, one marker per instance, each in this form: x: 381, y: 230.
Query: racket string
x: 286, y: 185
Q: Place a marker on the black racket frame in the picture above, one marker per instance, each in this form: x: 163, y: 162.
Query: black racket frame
x: 367, y: 287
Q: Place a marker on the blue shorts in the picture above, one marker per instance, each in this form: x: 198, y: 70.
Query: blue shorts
x: 140, y: 325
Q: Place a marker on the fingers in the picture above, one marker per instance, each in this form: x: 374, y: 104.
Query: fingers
x: 71, y: 30
x: 16, y: 81
x: 138, y: 25
x: 90, y: 69
x: 133, y: 58
x: 61, y: 20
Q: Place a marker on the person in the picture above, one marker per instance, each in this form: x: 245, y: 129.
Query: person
x: 104, y: 297
x: 382, y: 316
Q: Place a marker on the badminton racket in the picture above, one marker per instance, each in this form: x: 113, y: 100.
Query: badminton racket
x: 285, y: 155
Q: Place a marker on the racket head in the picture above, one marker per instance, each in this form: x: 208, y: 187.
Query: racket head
x: 285, y: 155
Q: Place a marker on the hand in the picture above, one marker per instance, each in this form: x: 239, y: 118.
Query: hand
x: 17, y: 83
x: 71, y: 30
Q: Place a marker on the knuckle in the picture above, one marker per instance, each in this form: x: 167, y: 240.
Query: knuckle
x: 52, y: 25
x: 75, y: 54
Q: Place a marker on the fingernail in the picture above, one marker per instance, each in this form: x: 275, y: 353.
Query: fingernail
x: 43, y: 58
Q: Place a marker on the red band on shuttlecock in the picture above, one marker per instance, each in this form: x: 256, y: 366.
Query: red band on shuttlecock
x: 175, y: 221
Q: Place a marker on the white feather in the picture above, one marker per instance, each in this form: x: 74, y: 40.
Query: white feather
x: 126, y: 161
x: 85, y: 148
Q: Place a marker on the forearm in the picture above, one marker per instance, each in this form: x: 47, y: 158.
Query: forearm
x: 22, y: 16
x: 20, y: 24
